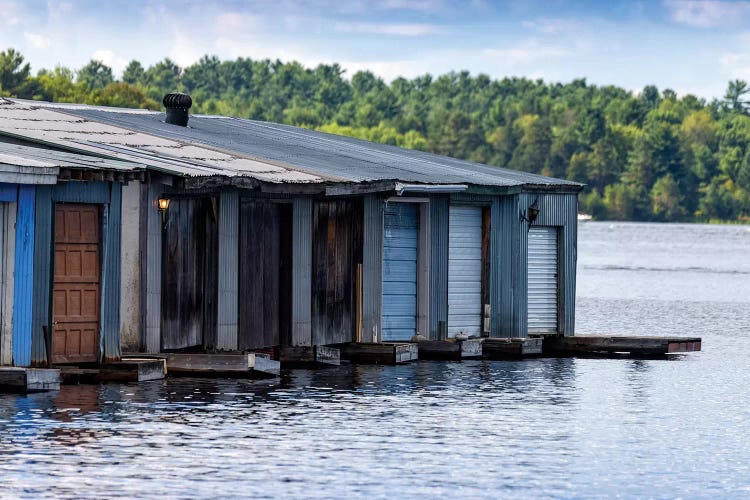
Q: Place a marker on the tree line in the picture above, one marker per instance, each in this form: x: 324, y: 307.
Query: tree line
x: 650, y: 156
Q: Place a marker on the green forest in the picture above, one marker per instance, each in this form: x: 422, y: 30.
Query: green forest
x: 646, y: 156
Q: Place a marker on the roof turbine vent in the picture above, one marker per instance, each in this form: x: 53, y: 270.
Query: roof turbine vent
x: 177, y: 105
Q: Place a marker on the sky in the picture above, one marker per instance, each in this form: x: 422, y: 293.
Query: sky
x: 689, y: 46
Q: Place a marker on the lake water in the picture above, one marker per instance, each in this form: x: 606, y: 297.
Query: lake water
x: 583, y: 428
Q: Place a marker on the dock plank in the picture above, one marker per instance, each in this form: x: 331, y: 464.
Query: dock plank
x: 250, y: 364
x: 450, y: 349
x: 611, y: 344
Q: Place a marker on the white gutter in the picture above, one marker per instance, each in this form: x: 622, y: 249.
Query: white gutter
x: 402, y: 188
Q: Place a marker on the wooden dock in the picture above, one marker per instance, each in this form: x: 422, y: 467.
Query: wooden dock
x: 511, y: 348
x: 247, y: 365
x: 601, y: 345
x: 309, y: 357
x: 127, y: 370
x: 25, y: 380
x: 450, y: 349
x: 385, y: 353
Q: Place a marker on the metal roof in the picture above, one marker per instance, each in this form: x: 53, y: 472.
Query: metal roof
x: 27, y: 120
x: 33, y: 165
x: 314, y: 156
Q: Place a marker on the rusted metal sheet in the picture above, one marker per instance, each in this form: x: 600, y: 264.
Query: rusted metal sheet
x: 43, y: 213
x: 337, y: 252
x: 77, y: 279
x: 189, y: 274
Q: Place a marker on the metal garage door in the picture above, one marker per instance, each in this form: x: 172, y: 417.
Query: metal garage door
x: 465, y: 271
x: 542, y: 280
x: 400, y: 230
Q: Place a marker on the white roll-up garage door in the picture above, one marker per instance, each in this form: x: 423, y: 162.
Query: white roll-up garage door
x: 465, y: 271
x: 542, y: 280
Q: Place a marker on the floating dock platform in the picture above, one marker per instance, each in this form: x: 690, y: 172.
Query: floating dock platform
x: 385, y: 353
x: 127, y: 370
x: 609, y: 345
x: 512, y: 348
x: 309, y: 357
x: 246, y: 365
x: 25, y: 380
x: 450, y: 349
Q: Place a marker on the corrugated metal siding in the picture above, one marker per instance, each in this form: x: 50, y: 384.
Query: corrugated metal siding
x: 504, y: 269
x: 111, y: 279
x: 558, y: 210
x: 372, y: 270
x: 438, y: 265
x: 542, y: 279
x: 228, y: 269
x: 400, y: 237
x: 465, y: 271
x: 41, y: 308
x: 302, y: 218
x: 23, y: 287
x: 81, y: 192
x: 153, y: 269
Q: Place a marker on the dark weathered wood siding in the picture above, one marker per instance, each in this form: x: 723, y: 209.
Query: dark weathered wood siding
x: 265, y: 273
x: 189, y: 270
x: 337, y: 251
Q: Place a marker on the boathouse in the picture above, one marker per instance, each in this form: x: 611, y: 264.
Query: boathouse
x: 259, y: 236
x: 60, y: 245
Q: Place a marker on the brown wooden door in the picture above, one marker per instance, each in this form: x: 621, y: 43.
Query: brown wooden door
x: 75, y: 337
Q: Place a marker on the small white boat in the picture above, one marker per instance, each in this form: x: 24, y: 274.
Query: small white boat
x: 584, y: 217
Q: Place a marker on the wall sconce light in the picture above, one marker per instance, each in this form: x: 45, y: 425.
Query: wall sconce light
x: 531, y: 213
x: 163, y: 205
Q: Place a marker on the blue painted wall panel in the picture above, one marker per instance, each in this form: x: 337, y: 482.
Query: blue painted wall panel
x: 8, y: 192
x: 23, y: 276
x: 81, y: 192
x: 400, y: 232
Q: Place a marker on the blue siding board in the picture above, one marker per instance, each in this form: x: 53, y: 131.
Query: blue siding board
x: 23, y: 292
x: 82, y: 192
x: 8, y: 192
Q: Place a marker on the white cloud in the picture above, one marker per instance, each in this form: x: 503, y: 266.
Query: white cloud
x: 549, y: 26
x: 387, y: 29
x: 526, y: 53
x: 36, y: 40
x: 10, y: 13
x: 708, y: 13
x: 418, y: 5
x: 111, y: 59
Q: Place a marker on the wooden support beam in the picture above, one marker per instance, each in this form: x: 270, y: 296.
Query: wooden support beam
x: 606, y: 344
x: 24, y: 380
x: 511, y: 348
x: 386, y: 353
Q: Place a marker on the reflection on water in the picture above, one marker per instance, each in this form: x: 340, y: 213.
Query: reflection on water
x: 539, y: 428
